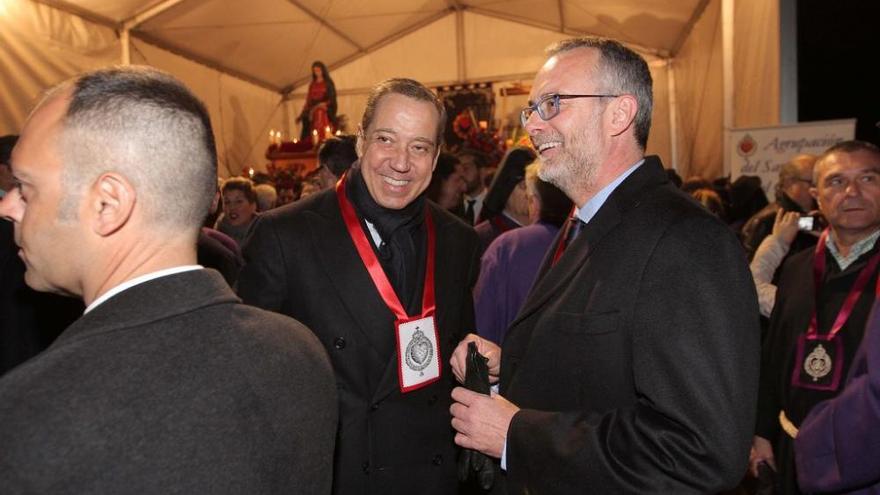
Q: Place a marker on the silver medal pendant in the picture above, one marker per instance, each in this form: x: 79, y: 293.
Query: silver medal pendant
x: 818, y: 363
x: 419, y: 352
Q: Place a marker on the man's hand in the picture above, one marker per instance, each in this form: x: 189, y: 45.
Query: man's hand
x: 762, y: 451
x: 487, y: 348
x: 481, y: 421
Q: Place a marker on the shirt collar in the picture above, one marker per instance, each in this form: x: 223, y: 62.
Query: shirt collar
x: 139, y: 280
x: 478, y: 198
x: 855, y: 252
x: 589, y: 210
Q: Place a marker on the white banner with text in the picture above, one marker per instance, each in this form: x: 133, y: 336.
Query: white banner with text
x: 761, y: 151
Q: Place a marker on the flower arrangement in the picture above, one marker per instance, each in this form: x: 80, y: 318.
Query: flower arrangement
x: 477, y: 136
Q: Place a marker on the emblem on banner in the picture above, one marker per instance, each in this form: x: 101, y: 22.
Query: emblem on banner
x: 746, y: 146
x: 818, y: 363
x: 419, y: 352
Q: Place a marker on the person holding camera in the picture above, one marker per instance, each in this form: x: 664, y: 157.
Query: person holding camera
x: 792, y: 195
x: 773, y: 250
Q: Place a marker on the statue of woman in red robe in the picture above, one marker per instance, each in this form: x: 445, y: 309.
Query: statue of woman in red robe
x: 319, y: 112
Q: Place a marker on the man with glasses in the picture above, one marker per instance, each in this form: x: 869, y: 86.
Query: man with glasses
x: 792, y: 194
x: 633, y: 365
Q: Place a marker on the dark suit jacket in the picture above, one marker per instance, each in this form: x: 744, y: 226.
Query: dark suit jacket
x: 171, y: 386
x: 300, y: 261
x: 635, y: 358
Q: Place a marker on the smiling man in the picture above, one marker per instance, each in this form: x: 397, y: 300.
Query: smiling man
x: 632, y: 365
x: 383, y: 277
x: 815, y: 330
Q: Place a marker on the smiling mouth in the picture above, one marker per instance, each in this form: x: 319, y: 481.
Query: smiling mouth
x: 394, y: 182
x: 548, y: 145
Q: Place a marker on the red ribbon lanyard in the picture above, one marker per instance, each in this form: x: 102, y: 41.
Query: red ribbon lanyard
x: 851, y: 298
x: 371, y: 262
x: 560, y: 246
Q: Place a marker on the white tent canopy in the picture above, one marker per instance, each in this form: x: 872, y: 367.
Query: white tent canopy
x: 250, y: 61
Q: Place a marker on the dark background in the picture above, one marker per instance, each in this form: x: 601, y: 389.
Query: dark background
x: 837, y: 46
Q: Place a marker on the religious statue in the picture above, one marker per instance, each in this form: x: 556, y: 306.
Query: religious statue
x: 318, y: 115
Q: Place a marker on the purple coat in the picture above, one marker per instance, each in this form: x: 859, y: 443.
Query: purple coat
x: 838, y: 445
x: 507, y: 271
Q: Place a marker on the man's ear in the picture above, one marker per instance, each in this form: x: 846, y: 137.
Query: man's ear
x: 111, y: 203
x: 436, y: 158
x: 623, y: 113
x: 814, y: 192
x: 359, y: 144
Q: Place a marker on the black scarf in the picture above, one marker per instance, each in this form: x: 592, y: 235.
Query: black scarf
x: 402, y: 252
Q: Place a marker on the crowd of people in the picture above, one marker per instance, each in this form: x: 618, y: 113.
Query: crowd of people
x: 642, y: 334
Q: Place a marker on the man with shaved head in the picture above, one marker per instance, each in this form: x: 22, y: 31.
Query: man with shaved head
x: 167, y: 383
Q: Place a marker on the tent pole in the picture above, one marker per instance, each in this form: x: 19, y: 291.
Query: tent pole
x: 788, y: 93
x: 151, y: 12
x: 125, y: 41
x: 459, y: 41
x: 673, y: 113
x: 727, y: 14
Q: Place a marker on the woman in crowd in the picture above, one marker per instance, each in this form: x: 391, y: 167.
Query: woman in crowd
x: 239, y: 208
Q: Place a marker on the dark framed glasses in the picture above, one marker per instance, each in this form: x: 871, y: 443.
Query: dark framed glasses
x: 548, y: 106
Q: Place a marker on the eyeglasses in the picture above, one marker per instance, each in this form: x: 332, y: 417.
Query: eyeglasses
x: 548, y: 106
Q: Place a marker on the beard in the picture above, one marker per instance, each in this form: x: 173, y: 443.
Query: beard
x: 573, y: 169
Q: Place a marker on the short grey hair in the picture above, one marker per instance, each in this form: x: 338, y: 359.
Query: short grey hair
x: 146, y: 125
x: 791, y: 171
x: 267, y: 196
x: 621, y: 70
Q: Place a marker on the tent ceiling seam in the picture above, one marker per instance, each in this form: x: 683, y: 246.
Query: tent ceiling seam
x: 623, y: 36
x: 81, y: 12
x: 150, y: 40
x: 568, y: 31
x: 689, y: 27
x: 320, y: 20
x: 561, y: 16
x: 372, y: 48
x: 149, y: 13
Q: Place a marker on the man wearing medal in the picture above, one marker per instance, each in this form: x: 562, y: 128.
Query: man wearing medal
x: 384, y: 278
x: 632, y: 366
x: 823, y: 300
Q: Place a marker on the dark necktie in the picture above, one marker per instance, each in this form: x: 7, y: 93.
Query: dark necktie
x: 469, y: 211
x: 575, y: 226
